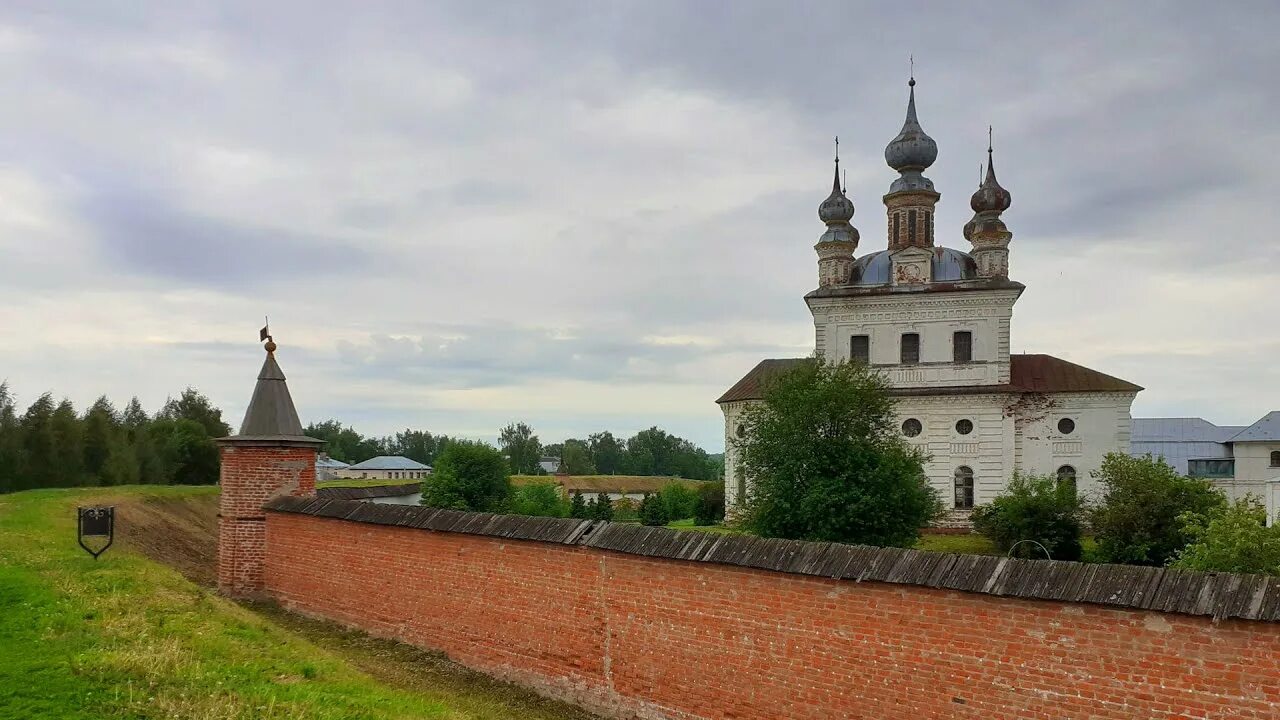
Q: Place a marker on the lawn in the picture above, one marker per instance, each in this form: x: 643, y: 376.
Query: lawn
x: 127, y: 637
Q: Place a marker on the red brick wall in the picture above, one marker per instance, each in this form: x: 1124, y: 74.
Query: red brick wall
x: 663, y: 638
x: 251, y: 475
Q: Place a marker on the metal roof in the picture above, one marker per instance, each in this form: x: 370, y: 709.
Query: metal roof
x: 389, y: 462
x: 328, y: 462
x: 1266, y: 429
x: 949, y: 265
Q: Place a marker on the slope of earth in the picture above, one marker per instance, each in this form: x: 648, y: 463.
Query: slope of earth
x: 139, y: 634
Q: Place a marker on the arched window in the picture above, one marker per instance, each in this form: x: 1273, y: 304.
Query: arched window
x: 742, y: 486
x: 1067, y: 476
x: 1275, y: 458
x: 964, y: 487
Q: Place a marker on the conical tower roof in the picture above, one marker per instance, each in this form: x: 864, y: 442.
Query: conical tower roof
x: 271, y: 414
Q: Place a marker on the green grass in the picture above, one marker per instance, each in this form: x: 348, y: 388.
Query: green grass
x: 688, y: 525
x: 125, y: 637
x: 966, y: 543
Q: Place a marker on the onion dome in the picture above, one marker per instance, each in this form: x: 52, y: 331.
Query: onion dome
x: 911, y: 151
x: 837, y: 208
x: 990, y: 197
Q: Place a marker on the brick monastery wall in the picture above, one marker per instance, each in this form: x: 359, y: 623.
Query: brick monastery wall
x: 596, y: 615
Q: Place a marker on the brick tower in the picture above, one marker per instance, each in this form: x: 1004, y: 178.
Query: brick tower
x: 269, y: 457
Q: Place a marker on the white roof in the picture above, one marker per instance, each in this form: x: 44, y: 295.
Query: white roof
x: 389, y: 462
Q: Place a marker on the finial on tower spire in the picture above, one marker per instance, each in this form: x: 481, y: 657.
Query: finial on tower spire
x: 265, y: 334
x: 912, y: 60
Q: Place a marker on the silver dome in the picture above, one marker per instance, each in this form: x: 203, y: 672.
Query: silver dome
x: 949, y: 265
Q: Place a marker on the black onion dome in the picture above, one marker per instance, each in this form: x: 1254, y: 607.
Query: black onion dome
x: 990, y: 196
x: 912, y: 149
x: 837, y: 208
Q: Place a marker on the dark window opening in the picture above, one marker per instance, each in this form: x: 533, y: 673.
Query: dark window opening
x: 1066, y: 426
x: 897, y: 229
x: 911, y: 427
x: 962, y: 346
x: 964, y: 427
x: 1275, y: 458
x: 928, y: 228
x: 1211, y: 468
x: 1067, y: 476
x: 911, y: 227
x: 910, y: 354
x: 860, y: 348
x: 964, y: 488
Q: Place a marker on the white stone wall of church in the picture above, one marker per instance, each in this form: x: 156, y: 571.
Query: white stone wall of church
x: 1102, y: 425
x: 935, y: 317
x: 734, y: 482
x: 1273, y: 502
x: 987, y: 450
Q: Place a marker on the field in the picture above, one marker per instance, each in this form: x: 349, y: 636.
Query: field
x: 138, y: 633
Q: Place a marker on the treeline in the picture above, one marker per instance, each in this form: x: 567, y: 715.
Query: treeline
x: 648, y: 452
x: 53, y: 445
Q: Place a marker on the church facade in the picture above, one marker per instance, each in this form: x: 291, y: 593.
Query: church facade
x: 936, y: 322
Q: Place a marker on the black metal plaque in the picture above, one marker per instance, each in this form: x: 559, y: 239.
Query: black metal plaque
x: 96, y: 522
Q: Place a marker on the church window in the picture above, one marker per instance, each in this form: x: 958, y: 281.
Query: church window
x: 911, y: 227
x: 741, y: 431
x: 897, y: 222
x: 911, y: 427
x: 1275, y: 458
x: 928, y: 228
x: 860, y: 348
x: 964, y: 427
x: 742, y: 486
x: 910, y: 351
x: 962, y: 346
x: 1066, y: 426
x: 964, y: 487
x: 1067, y: 476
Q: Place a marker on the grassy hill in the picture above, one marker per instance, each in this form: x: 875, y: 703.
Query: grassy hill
x: 127, y: 636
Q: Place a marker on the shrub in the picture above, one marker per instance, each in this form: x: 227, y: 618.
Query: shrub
x: 1139, y: 520
x: 1038, y: 509
x: 604, y: 507
x: 578, y: 506
x: 539, y: 498
x: 652, y: 510
x: 468, y: 476
x: 827, y: 460
x: 709, y: 509
x: 678, y: 500
x: 625, y: 510
x: 1234, y: 538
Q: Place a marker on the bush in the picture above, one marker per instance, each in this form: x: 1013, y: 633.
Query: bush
x: 678, y: 500
x: 652, y: 511
x: 541, y: 498
x: 709, y: 509
x: 1033, y: 508
x: 625, y: 510
x: 578, y: 506
x: 468, y: 476
x: 603, y: 507
x: 1140, y: 518
x: 1234, y: 539
x: 827, y: 460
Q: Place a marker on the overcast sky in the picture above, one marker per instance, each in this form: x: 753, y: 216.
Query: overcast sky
x: 597, y: 215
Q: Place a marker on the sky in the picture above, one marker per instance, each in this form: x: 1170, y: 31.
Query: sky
x: 599, y: 215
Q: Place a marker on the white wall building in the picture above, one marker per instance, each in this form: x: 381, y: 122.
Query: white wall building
x: 387, y: 467
x: 936, y: 321
x: 1240, y: 460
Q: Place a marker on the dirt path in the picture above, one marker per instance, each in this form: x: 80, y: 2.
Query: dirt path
x: 183, y: 533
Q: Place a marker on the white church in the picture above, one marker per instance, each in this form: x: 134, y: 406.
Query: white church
x: 936, y: 322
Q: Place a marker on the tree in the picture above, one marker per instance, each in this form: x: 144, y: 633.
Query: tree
x: 468, y: 476
x: 604, y: 507
x: 652, y: 511
x: 101, y: 435
x: 827, y: 462
x: 678, y: 500
x: 189, y: 454
x: 607, y: 453
x: 542, y: 498
x: 578, y: 506
x: 192, y: 405
x: 522, y: 447
x: 575, y: 458
x: 1233, y: 538
x: 1139, y: 521
x: 11, y: 460
x: 68, y: 438
x: 1037, y: 509
x: 39, y: 446
x: 709, y: 509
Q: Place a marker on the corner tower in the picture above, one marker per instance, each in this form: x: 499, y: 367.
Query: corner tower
x: 911, y: 199
x: 269, y: 457
x: 987, y: 231
x: 836, y: 246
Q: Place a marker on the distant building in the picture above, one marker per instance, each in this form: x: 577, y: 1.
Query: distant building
x: 387, y: 467
x: 1238, y: 459
x: 549, y: 465
x: 329, y: 469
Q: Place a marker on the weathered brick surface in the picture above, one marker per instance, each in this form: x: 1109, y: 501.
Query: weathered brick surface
x: 667, y: 638
x: 252, y: 475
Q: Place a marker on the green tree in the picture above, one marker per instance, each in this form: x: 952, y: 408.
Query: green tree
x: 192, y: 405
x: 136, y: 427
x: 468, y: 476
x: 652, y: 511
x: 11, y: 460
x: 68, y: 437
x: 678, y: 500
x: 189, y: 454
x: 39, y: 446
x: 607, y: 453
x: 578, y: 506
x: 522, y: 447
x: 542, y: 498
x: 575, y: 458
x: 1234, y: 538
x: 603, y: 507
x: 709, y: 509
x: 828, y: 463
x: 101, y: 435
x: 1035, y: 509
x: 1139, y: 519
